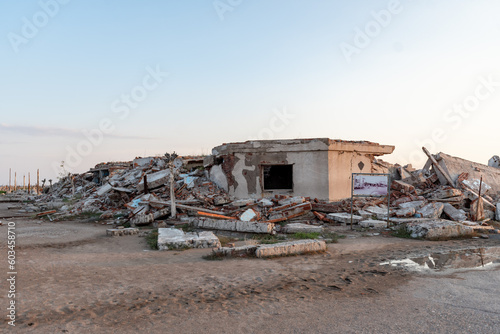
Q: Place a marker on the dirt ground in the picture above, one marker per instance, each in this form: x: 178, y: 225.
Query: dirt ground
x: 72, y: 278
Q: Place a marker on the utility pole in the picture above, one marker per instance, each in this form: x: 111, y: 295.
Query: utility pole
x: 29, y: 183
x: 10, y: 173
x: 38, y: 181
x: 15, y: 181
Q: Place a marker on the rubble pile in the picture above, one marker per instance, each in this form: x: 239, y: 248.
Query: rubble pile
x: 154, y: 190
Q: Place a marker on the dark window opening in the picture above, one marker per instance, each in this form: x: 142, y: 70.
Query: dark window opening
x: 278, y: 177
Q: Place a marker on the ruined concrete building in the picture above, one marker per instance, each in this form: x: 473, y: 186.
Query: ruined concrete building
x: 319, y: 168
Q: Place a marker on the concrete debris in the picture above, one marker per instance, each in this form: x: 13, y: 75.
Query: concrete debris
x: 454, y: 214
x: 373, y: 223
x: 121, y: 231
x: 431, y: 210
x: 172, y: 238
x: 405, y: 212
x: 249, y: 215
x: 345, y: 218
x: 438, y: 229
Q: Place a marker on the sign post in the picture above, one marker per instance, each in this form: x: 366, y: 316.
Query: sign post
x: 370, y: 185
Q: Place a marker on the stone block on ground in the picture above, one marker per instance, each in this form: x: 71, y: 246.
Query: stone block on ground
x: 291, y: 247
x: 302, y: 228
x: 121, y: 231
x: 373, y: 223
x: 172, y: 238
x: 247, y: 250
x: 155, y: 180
x: 344, y: 218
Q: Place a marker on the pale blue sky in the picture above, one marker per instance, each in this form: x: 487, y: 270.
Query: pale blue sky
x: 228, y: 78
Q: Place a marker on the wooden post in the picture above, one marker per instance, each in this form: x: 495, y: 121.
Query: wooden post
x: 38, y: 181
x: 438, y: 167
x: 146, y: 190
x: 173, y: 208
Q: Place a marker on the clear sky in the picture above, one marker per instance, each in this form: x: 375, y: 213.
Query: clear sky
x: 88, y: 81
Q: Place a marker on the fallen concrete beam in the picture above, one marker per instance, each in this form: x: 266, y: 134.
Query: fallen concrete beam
x: 234, y: 225
x: 291, y: 247
x: 302, y: 228
x: 438, y: 229
x: 248, y: 250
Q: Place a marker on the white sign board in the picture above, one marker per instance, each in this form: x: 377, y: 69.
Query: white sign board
x: 376, y: 185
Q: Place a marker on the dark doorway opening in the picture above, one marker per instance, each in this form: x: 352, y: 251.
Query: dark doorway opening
x: 278, y: 177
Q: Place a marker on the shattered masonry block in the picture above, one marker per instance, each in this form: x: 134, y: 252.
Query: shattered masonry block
x: 413, y: 204
x: 121, y: 231
x: 405, y: 212
x: 381, y: 213
x: 373, y: 223
x: 234, y: 225
x: 438, y: 229
x: 172, y: 238
x: 344, y: 218
x: 141, y: 219
x: 431, y: 210
x: 249, y: 215
x: 291, y: 247
x: 104, y: 189
x: 155, y: 180
x: 454, y: 214
x: 304, y: 228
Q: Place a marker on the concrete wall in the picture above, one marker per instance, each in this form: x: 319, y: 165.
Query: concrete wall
x: 341, y: 165
x: 310, y: 174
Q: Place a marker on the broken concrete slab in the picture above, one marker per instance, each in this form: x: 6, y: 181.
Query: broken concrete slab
x: 405, y: 212
x: 431, y: 210
x: 104, y: 189
x: 365, y: 214
x: 155, y: 180
x: 249, y: 215
x: 380, y: 212
x: 172, y: 238
x: 234, y: 225
x: 290, y: 247
x: 453, y: 213
x: 373, y: 223
x: 345, y: 218
x: 497, y: 213
x: 265, y: 203
x: 302, y: 228
x: 243, y: 202
x: 438, y: 229
x: 413, y: 204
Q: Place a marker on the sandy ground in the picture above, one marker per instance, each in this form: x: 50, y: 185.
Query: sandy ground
x: 72, y: 278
